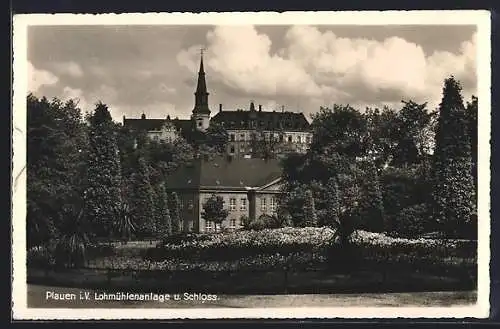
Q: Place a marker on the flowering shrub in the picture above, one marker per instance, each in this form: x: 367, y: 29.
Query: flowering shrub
x: 252, y: 263
x: 411, y: 221
x: 233, y: 245
x: 40, y: 257
x: 382, y: 248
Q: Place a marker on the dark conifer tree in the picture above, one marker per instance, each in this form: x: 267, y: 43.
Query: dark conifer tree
x: 453, y: 182
x: 142, y: 202
x: 103, y: 189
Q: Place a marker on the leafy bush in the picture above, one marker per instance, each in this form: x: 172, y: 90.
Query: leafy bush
x: 380, y: 248
x: 100, y: 250
x: 40, y: 257
x: 233, y: 245
x: 264, y: 221
x: 411, y: 221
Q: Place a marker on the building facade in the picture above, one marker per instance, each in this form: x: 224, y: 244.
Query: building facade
x: 280, y: 131
x: 248, y: 187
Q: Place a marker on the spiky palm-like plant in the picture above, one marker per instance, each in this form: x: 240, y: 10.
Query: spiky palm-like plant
x: 125, y: 225
x: 74, y: 240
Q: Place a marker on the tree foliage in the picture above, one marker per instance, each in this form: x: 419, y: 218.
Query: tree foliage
x: 453, y: 181
x: 213, y: 210
x: 103, y: 189
x: 163, y: 220
x: 56, y: 153
x: 142, y: 201
x: 174, y: 207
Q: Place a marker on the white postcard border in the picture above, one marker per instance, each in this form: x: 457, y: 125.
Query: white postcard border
x: 459, y: 17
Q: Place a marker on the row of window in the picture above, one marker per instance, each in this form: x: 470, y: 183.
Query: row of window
x: 211, y: 226
x: 168, y: 139
x: 243, y: 204
x: 253, y: 124
x: 275, y: 137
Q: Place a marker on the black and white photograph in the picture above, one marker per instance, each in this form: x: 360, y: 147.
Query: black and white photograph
x: 251, y: 165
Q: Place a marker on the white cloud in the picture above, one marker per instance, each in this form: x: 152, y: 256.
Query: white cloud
x: 69, y: 68
x: 38, y: 78
x: 321, y: 66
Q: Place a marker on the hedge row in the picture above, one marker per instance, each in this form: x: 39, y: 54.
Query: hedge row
x: 237, y: 244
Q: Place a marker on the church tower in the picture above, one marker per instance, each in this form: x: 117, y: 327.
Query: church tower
x: 201, y: 112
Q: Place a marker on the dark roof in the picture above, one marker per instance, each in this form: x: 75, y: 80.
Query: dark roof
x: 220, y: 172
x: 144, y: 124
x: 156, y: 124
x: 268, y: 120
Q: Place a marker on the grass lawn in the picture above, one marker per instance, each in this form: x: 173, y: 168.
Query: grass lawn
x: 37, y: 294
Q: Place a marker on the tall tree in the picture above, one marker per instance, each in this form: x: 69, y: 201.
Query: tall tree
x: 342, y: 130
x: 311, y: 217
x: 213, y: 210
x: 142, y: 204
x: 217, y: 137
x: 372, y: 207
x: 163, y: 220
x: 453, y: 185
x: 472, y: 112
x: 332, y: 203
x: 57, y: 146
x: 174, y: 207
x: 103, y: 189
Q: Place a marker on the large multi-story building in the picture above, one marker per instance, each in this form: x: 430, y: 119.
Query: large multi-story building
x: 284, y: 130
x: 248, y: 186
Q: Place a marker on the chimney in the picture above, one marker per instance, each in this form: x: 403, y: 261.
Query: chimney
x: 220, y: 107
x: 260, y: 108
x: 143, y: 116
x: 123, y: 119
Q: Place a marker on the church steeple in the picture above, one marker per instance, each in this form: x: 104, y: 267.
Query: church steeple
x: 201, y: 112
x: 201, y: 94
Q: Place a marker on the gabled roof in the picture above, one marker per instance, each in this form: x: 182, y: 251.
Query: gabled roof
x: 144, y: 124
x: 221, y: 173
x: 156, y: 124
x: 267, y: 120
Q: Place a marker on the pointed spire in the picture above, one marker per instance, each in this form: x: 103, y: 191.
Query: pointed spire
x: 201, y: 94
x: 252, y: 106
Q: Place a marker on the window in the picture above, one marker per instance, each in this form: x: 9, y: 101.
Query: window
x: 190, y: 204
x: 209, y: 226
x: 231, y: 150
x: 200, y: 123
x: 308, y: 139
x: 232, y: 137
x: 232, y: 223
x: 242, y: 137
x: 243, y: 204
x: 299, y: 140
x: 263, y: 204
x: 273, y: 204
x: 232, y: 204
x: 289, y: 139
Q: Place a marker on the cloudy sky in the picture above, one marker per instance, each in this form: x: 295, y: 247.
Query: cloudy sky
x: 152, y: 69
